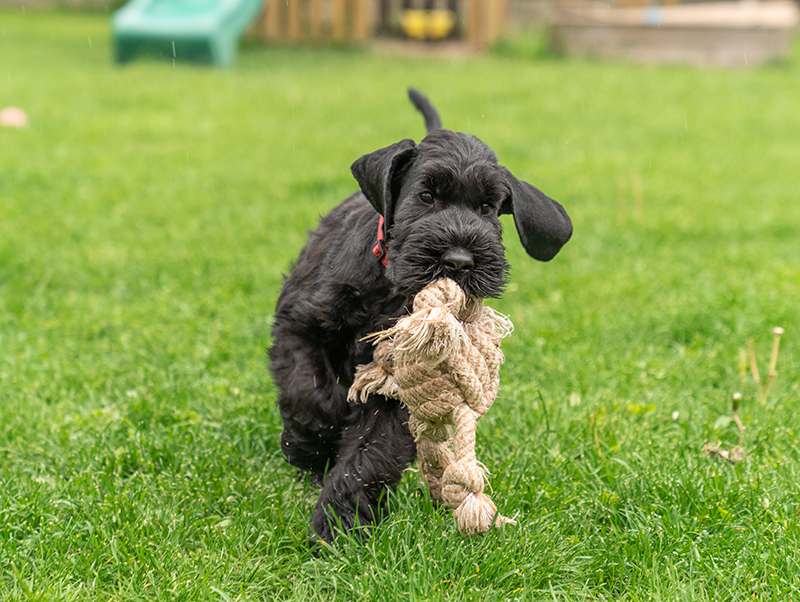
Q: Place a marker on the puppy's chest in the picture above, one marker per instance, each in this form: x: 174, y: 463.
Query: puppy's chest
x: 354, y: 315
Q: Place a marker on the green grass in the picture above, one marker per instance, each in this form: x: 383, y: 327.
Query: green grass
x: 147, y: 215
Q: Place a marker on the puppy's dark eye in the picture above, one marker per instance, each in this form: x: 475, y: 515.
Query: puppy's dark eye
x: 426, y: 197
x: 486, y: 209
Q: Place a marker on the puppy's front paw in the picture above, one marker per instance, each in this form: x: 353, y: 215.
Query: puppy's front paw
x: 345, y: 514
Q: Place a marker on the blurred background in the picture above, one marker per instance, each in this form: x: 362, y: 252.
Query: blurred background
x: 161, y: 163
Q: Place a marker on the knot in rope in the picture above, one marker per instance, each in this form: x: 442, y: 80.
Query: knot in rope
x: 443, y: 362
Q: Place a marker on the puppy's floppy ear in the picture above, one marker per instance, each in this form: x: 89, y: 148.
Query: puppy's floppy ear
x: 377, y: 175
x: 543, y: 225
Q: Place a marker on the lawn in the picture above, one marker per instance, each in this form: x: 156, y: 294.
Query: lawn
x: 148, y: 213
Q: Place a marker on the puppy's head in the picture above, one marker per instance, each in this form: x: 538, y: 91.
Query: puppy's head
x: 441, y: 200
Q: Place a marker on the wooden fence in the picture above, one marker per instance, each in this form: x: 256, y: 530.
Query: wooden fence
x: 478, y: 22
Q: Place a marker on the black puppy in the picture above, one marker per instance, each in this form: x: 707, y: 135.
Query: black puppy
x: 424, y: 211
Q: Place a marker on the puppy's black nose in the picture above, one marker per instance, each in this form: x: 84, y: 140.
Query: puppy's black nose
x: 457, y: 260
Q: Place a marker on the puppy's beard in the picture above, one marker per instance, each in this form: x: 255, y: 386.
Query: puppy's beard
x: 416, y: 260
x: 475, y: 283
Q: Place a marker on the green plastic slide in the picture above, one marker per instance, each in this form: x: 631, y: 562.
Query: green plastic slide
x: 191, y: 30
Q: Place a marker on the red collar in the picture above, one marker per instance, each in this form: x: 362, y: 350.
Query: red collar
x: 379, y: 250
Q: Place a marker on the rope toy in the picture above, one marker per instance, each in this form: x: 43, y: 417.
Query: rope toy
x: 443, y: 363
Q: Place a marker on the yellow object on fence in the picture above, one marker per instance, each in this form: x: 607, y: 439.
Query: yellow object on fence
x: 428, y: 24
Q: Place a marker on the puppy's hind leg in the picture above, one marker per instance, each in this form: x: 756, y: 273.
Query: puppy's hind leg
x: 376, y: 448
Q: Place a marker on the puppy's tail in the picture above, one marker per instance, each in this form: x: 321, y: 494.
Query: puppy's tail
x: 424, y: 106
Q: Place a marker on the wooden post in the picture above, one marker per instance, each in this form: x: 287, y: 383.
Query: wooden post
x: 361, y: 20
x: 500, y: 19
x: 315, y: 19
x: 272, y: 20
x: 475, y: 23
x: 486, y: 20
x: 293, y: 8
x: 339, y: 19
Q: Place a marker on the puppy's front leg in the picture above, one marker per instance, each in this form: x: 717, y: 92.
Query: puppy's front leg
x: 313, y: 405
x: 376, y: 448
